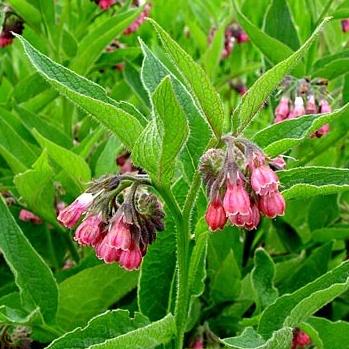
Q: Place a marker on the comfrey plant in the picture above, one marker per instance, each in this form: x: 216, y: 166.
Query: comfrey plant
x: 149, y: 206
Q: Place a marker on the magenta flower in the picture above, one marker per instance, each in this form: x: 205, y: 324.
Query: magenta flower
x: 70, y: 215
x: 298, y: 109
x: 119, y: 234
x: 300, y: 339
x: 198, y: 344
x: 325, y: 107
x: 107, y: 253
x: 345, y: 25
x: 237, y: 204
x: 282, y: 110
x: 272, y: 204
x: 89, y: 231
x: 242, y: 37
x: 27, y: 216
x: 255, y: 218
x: 264, y: 180
x: 105, y: 4
x: 5, y: 39
x: 311, y: 105
x: 131, y: 258
x: 215, y: 214
x: 279, y: 163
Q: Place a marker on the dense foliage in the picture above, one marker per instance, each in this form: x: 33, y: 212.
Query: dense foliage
x: 174, y: 174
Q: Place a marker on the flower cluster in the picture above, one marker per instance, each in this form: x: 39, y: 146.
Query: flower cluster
x: 300, y: 339
x: 105, y: 4
x: 12, y: 24
x: 121, y: 218
x: 233, y: 34
x: 28, y: 216
x: 241, y: 184
x: 345, y: 25
x: 300, y: 97
x: 133, y: 27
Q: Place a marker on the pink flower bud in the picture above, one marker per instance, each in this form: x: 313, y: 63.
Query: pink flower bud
x: 236, y: 203
x: 282, y: 110
x: 106, y: 252
x: 105, y: 4
x: 311, y: 105
x: 272, y: 204
x: 279, y: 163
x: 89, y: 231
x: 198, y: 344
x: 325, y: 107
x: 72, y: 213
x: 298, y: 109
x: 119, y: 234
x: 5, y: 40
x: 264, y: 180
x: 322, y: 131
x: 242, y: 37
x: 255, y: 218
x: 215, y: 214
x: 132, y: 258
x: 27, y: 216
x: 345, y: 25
x: 300, y: 339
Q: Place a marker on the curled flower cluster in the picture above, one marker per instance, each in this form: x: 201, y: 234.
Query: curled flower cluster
x: 121, y: 218
x: 300, y: 339
x: 133, y: 27
x: 345, y: 25
x: 309, y: 98
x: 12, y: 24
x: 105, y: 4
x: 241, y: 184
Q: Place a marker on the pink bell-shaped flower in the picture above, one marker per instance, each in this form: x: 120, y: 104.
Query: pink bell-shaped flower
x: 215, y: 214
x: 272, y: 204
x: 89, y: 231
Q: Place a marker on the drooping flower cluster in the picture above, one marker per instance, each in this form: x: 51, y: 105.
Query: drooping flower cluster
x: 345, y: 25
x: 12, y: 24
x: 241, y: 185
x: 133, y: 27
x: 121, y: 218
x: 300, y: 339
x: 105, y: 4
x: 301, y: 97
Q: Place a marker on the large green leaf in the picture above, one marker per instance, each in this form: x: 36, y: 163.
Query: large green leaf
x: 91, y: 291
x: 36, y: 188
x: 87, y: 95
x: 261, y: 89
x: 158, y: 269
x: 162, y: 140
x: 302, y: 182
x: 105, y: 326
x: 249, y: 339
x: 147, y: 337
x: 100, y: 36
x: 262, y: 277
x: 153, y: 71
x: 291, y: 309
x: 277, y: 138
x: 33, y: 277
x: 196, y: 80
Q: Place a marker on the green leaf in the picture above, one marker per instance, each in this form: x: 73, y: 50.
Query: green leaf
x: 249, y: 339
x: 72, y: 164
x: 303, y: 182
x: 292, y: 309
x: 334, y: 335
x: 262, y: 277
x: 147, y: 337
x: 91, y: 291
x: 29, y: 87
x: 33, y: 277
x: 153, y: 71
x: 158, y: 269
x: 94, y: 43
x: 162, y: 140
x: 106, y: 160
x: 331, y: 233
x: 87, y: 95
x: 277, y: 138
x: 334, y: 69
x: 36, y: 188
x: 275, y: 50
x: 105, y: 326
x: 196, y: 80
x: 279, y: 24
x: 261, y: 89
